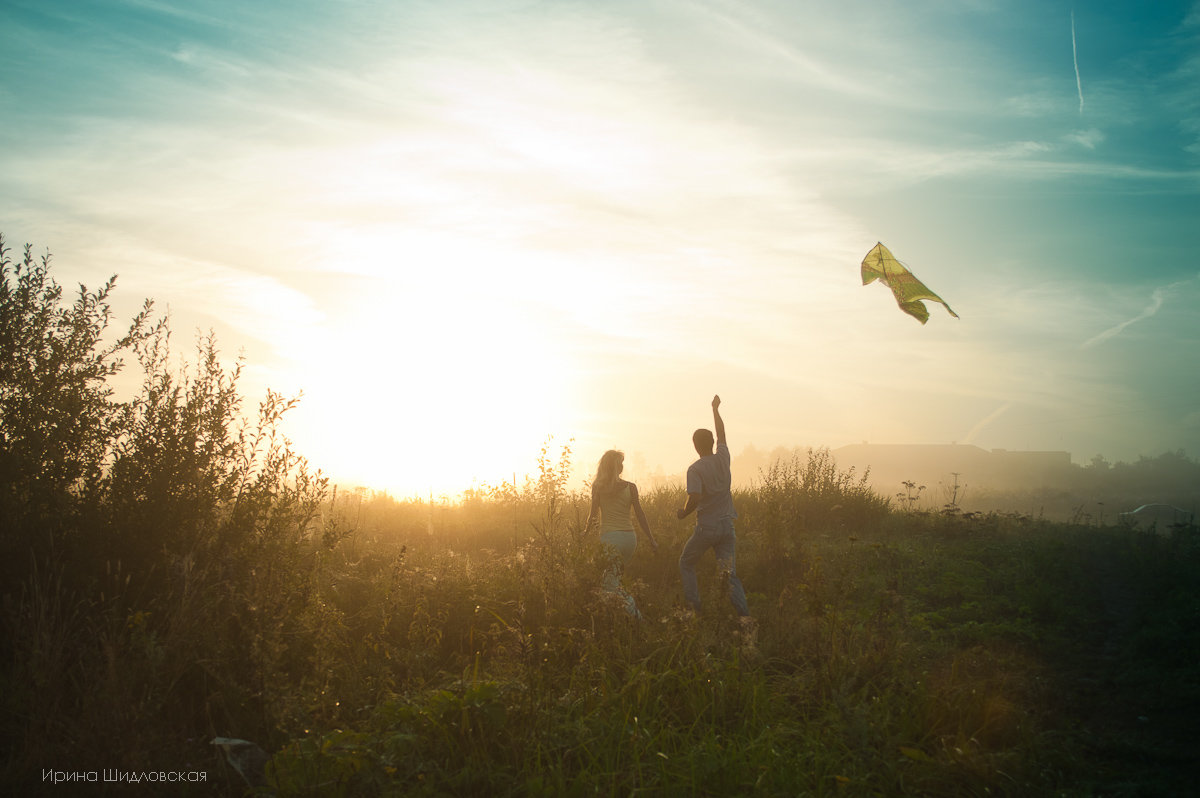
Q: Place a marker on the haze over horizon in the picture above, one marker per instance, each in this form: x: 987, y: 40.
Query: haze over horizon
x: 460, y: 227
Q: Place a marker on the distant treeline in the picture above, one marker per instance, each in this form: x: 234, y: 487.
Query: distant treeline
x: 985, y: 481
x: 1099, y: 491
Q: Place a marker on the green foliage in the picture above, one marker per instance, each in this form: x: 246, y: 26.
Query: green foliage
x: 158, y: 552
x: 938, y: 655
x: 178, y: 573
x: 58, y: 422
x: 797, y: 496
x: 813, y: 494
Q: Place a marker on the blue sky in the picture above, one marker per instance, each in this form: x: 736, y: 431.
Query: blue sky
x: 460, y: 227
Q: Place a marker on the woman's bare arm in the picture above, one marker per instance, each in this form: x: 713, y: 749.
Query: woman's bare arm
x: 641, y: 515
x: 593, y: 513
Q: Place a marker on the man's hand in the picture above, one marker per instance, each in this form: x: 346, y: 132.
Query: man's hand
x: 717, y: 422
x: 681, y: 513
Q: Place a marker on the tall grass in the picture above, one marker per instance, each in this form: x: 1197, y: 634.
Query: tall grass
x: 174, y: 574
x: 932, y: 660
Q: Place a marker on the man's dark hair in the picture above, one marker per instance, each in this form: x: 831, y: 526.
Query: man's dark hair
x: 702, y: 439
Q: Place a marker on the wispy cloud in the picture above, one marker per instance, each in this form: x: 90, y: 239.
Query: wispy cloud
x: 985, y: 421
x: 1157, y: 298
x: 1185, y: 96
x: 1087, y: 139
x: 866, y: 163
x: 1192, y: 20
x: 1075, y: 59
x: 761, y: 38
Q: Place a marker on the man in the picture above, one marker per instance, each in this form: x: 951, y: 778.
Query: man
x: 708, y: 493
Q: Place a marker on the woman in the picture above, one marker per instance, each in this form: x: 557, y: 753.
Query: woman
x: 612, y: 499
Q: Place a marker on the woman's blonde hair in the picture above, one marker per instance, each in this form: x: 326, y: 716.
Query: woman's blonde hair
x: 608, y: 473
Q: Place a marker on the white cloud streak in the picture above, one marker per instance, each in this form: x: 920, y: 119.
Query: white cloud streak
x: 1087, y: 139
x: 1157, y: 298
x: 985, y: 421
x: 1075, y: 59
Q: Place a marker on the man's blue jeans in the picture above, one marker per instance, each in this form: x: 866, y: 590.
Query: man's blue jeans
x: 719, y: 537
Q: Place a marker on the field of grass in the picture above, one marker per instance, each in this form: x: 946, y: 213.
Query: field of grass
x: 171, y: 573
x: 466, y: 650
x: 912, y: 655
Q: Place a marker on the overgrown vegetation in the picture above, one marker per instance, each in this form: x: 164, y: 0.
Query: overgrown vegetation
x: 174, y: 573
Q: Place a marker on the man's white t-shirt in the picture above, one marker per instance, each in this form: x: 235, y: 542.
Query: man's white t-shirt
x: 710, y: 477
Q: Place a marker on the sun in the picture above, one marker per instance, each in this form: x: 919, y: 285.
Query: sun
x: 430, y: 385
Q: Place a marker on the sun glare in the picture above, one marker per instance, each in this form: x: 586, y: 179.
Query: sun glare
x: 432, y: 380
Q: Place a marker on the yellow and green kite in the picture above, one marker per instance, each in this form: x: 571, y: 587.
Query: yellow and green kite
x: 880, y: 264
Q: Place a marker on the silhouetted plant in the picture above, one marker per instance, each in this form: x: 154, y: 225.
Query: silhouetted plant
x: 795, y: 495
x: 911, y: 494
x: 152, y: 548
x: 58, y: 421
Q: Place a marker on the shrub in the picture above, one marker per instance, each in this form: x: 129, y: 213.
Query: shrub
x: 799, y: 495
x: 58, y: 422
x: 158, y: 553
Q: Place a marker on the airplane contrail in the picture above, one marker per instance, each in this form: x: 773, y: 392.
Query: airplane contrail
x: 1075, y: 58
x: 988, y: 419
x: 1157, y: 297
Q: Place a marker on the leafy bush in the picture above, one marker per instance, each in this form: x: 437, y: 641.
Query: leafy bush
x: 797, y: 496
x: 158, y: 553
x: 58, y: 422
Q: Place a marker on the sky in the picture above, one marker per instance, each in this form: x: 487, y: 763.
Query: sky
x: 456, y: 229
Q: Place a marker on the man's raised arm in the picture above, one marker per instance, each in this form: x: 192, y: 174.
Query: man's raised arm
x: 717, y: 422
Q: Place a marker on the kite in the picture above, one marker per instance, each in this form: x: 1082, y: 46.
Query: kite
x: 881, y: 264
